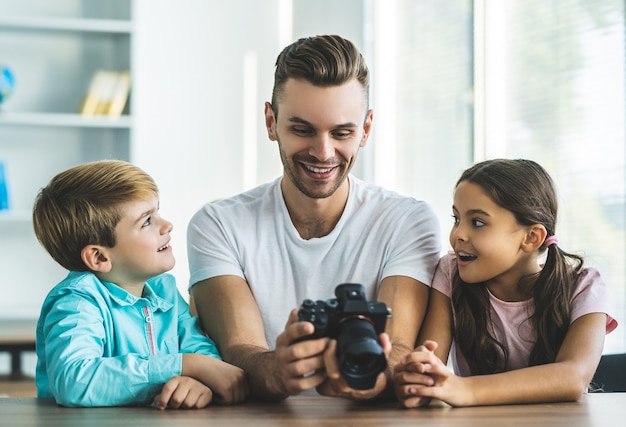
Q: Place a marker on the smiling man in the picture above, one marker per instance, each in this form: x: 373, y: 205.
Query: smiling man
x: 256, y: 256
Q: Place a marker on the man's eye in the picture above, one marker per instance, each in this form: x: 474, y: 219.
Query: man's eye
x: 147, y: 222
x: 302, y: 131
x: 455, y: 219
x: 342, y: 134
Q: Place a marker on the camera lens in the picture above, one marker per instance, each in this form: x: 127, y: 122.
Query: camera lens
x: 360, y: 356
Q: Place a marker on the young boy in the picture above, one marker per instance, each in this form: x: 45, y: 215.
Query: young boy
x: 116, y: 331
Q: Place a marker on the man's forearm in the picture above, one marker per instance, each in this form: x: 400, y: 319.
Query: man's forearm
x: 397, y: 351
x: 259, y: 364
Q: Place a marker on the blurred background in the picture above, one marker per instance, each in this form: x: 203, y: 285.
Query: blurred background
x: 453, y: 82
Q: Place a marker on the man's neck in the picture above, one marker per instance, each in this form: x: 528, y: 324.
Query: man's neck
x: 314, y: 217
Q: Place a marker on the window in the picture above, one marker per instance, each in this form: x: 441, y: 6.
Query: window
x: 460, y: 81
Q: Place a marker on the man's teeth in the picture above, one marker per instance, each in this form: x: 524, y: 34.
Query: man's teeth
x: 163, y: 247
x: 318, y: 170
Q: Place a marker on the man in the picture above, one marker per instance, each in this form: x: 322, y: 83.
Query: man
x: 258, y: 255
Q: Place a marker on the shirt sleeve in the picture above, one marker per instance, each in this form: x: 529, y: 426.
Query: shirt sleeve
x: 210, y: 248
x: 592, y: 296
x: 80, y: 373
x: 442, y: 281
x: 416, y: 243
x: 191, y: 337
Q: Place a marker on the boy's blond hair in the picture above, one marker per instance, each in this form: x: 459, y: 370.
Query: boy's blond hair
x: 81, y: 206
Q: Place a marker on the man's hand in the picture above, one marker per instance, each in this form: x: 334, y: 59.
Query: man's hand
x: 300, y: 363
x: 335, y: 385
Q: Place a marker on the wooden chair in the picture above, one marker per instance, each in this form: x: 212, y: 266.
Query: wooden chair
x: 611, y: 374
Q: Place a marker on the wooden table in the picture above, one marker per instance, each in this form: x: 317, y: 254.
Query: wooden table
x: 601, y: 409
x: 16, y: 337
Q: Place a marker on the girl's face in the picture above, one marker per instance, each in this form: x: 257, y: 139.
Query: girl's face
x: 487, y: 239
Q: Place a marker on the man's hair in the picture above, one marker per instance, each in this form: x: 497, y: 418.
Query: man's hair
x: 327, y: 60
x: 81, y: 206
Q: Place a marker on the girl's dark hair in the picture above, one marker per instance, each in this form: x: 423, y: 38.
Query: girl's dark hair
x: 524, y: 188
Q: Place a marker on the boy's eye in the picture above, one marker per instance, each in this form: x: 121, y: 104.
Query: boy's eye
x: 147, y: 222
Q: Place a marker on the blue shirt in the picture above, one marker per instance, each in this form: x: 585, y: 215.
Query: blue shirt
x: 98, y: 345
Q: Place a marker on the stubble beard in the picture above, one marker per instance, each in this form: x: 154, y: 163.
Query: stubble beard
x: 290, y: 167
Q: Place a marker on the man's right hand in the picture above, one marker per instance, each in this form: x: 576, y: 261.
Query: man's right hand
x: 300, y: 363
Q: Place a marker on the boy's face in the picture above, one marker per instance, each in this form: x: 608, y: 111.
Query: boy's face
x: 142, y: 247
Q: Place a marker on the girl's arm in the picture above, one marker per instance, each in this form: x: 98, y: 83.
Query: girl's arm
x: 437, y: 328
x: 564, y: 380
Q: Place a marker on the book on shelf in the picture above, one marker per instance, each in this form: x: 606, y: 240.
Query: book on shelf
x: 107, y: 94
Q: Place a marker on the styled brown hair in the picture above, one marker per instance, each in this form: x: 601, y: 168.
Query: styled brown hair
x: 327, y: 60
x: 81, y: 206
x: 525, y: 189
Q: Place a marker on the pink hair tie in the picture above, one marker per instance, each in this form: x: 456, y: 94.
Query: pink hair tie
x: 552, y: 240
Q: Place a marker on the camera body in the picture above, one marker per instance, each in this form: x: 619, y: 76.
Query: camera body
x: 355, y: 323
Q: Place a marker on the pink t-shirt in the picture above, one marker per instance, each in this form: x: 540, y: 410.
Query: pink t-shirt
x: 510, y: 323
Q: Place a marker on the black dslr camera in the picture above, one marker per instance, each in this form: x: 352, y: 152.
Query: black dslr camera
x: 355, y: 323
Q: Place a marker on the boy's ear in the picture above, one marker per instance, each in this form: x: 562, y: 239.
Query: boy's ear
x: 535, y: 235
x: 96, y: 259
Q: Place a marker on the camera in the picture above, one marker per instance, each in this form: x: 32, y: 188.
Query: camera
x: 355, y: 323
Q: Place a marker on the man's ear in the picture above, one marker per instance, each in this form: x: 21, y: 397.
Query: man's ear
x: 367, y: 127
x: 270, y: 122
x: 535, y: 235
x: 96, y: 259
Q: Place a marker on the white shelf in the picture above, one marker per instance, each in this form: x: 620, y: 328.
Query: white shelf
x: 65, y: 120
x: 54, y: 48
x: 67, y: 24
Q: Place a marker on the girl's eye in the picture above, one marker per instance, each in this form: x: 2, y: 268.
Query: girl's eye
x: 147, y: 222
x: 477, y: 223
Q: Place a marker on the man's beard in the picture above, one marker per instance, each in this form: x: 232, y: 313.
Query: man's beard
x: 290, y: 170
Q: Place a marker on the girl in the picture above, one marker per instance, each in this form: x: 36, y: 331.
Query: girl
x: 519, y: 332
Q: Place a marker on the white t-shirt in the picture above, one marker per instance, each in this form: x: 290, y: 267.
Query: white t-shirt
x: 509, y: 319
x: 379, y: 234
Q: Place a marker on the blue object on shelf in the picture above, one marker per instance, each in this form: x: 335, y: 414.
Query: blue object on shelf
x: 7, y: 83
x: 4, y: 192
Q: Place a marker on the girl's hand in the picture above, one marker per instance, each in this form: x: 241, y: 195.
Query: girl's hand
x: 410, y: 374
x: 183, y: 392
x: 422, y: 376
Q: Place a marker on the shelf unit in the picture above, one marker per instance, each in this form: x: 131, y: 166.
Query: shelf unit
x: 54, y: 49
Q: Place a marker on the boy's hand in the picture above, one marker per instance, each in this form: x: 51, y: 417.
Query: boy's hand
x: 228, y: 382
x: 185, y: 393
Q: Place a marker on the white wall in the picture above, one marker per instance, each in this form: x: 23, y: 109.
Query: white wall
x: 197, y: 131
x: 189, y: 104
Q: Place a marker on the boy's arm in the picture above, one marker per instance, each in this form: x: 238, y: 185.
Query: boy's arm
x: 81, y: 374
x: 202, y: 361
